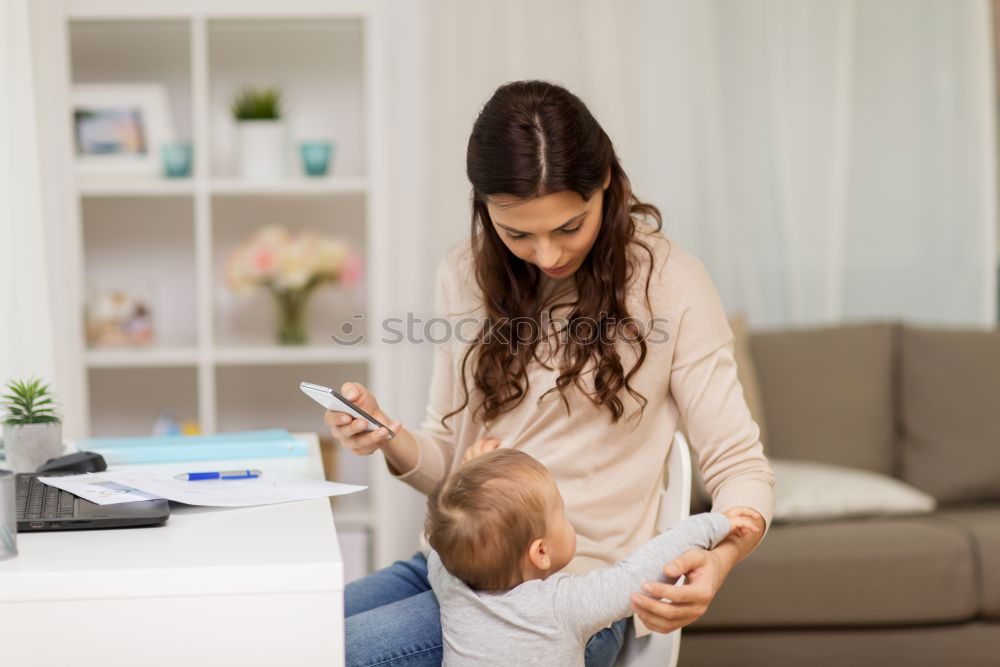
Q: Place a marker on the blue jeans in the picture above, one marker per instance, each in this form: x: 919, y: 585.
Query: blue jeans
x: 392, y: 619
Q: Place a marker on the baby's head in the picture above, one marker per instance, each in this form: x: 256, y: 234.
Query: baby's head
x: 498, y: 520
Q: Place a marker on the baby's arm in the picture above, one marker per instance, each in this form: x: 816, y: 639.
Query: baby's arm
x: 589, y: 602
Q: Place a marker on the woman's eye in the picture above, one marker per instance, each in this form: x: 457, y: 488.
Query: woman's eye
x: 518, y: 237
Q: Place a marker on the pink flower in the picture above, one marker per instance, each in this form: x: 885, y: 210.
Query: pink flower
x: 351, y: 273
x: 275, y: 256
x: 264, y: 260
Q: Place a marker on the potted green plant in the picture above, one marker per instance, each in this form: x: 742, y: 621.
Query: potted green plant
x: 32, y: 431
x: 260, y: 133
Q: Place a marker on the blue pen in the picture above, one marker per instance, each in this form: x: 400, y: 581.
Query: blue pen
x: 222, y: 474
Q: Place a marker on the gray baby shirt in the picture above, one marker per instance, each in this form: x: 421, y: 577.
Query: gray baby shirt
x: 550, y: 621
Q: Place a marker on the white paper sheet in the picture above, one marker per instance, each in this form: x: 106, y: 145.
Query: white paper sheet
x: 267, y: 489
x: 97, y: 488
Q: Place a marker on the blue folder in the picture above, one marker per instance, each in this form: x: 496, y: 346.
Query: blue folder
x: 170, y: 448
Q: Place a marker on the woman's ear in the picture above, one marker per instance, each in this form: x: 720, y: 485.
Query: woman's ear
x: 538, y: 554
x: 607, y: 179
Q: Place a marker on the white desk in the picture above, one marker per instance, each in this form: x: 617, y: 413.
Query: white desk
x: 249, y: 586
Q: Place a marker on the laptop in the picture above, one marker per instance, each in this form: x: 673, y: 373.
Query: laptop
x: 43, y: 507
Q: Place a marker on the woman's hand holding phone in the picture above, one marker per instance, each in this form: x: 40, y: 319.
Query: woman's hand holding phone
x: 351, y: 432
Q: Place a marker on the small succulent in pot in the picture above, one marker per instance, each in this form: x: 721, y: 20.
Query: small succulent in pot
x: 253, y: 103
x: 260, y: 133
x: 32, y: 430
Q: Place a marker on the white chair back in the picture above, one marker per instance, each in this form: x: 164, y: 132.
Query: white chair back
x: 656, y: 649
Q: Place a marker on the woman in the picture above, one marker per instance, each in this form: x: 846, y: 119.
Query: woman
x: 580, y: 335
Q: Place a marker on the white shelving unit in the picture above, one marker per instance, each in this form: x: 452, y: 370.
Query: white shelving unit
x: 214, y: 359
x: 222, y: 186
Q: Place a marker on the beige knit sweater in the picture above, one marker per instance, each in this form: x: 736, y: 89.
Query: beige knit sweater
x: 610, y: 474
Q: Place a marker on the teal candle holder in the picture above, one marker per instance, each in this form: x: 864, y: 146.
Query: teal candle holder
x: 177, y: 159
x: 316, y: 157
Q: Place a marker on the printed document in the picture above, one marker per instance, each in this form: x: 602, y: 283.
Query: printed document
x: 123, y: 486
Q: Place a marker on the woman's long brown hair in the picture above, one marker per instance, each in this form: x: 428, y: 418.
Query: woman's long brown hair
x: 534, y: 138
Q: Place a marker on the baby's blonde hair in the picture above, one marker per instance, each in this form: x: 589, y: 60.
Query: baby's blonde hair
x: 483, y: 518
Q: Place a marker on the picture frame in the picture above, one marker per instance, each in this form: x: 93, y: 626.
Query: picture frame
x: 119, y: 129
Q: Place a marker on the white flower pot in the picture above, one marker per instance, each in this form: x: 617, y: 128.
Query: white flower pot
x: 27, y: 446
x: 261, y: 149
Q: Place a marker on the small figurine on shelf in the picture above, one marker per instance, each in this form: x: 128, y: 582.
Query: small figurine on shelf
x: 167, y: 423
x: 291, y: 266
x: 118, y: 317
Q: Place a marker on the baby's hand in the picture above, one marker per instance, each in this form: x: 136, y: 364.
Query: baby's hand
x: 743, y: 521
x: 482, y: 446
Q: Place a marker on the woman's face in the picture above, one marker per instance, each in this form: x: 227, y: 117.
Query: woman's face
x: 554, y: 232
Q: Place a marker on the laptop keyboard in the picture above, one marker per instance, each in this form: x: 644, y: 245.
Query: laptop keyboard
x: 36, y: 500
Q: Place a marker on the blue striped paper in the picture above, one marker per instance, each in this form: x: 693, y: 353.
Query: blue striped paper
x: 170, y: 448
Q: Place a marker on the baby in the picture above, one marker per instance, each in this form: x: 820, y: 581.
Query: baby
x: 499, y: 537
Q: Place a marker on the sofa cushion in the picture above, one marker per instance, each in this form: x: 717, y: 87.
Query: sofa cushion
x: 975, y: 644
x: 808, y: 491
x: 828, y: 394
x: 983, y: 524
x: 950, y: 412
x: 859, y: 572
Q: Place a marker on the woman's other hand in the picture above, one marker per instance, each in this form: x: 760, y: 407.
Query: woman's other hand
x: 352, y: 432
x: 705, y: 571
x: 671, y: 606
x: 482, y: 446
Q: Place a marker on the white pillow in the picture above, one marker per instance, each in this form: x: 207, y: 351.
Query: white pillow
x: 804, y: 490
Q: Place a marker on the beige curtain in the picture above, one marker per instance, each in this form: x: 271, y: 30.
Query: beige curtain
x: 26, y: 335
x: 40, y: 327
x: 827, y: 159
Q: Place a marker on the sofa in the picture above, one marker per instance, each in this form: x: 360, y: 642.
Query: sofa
x: 919, y: 404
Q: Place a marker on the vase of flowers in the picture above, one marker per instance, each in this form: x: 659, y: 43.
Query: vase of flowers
x: 260, y: 133
x: 32, y: 431
x: 292, y: 267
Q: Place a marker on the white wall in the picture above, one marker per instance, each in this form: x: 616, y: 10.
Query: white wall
x: 827, y: 159
x: 415, y: 224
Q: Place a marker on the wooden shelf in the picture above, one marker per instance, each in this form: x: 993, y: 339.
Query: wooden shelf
x: 273, y: 354
x: 151, y: 357
x: 137, y: 188
x: 235, y: 355
x: 318, y: 186
x: 91, y: 10
x: 223, y: 187
x: 218, y: 364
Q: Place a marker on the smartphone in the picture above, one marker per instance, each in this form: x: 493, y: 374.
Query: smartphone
x: 332, y: 400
